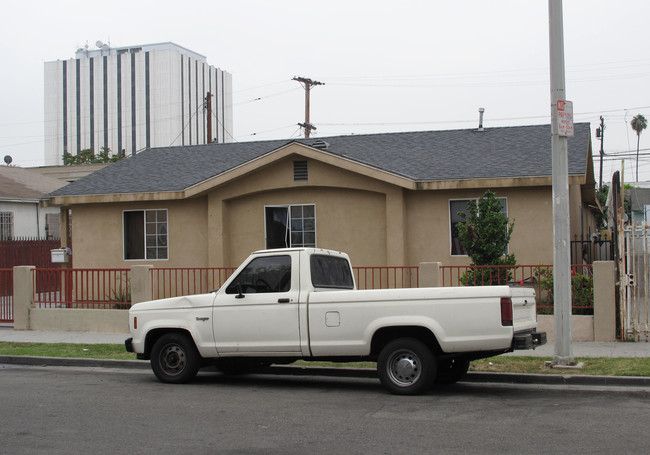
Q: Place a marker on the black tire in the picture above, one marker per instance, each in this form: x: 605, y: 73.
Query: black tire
x: 406, y: 366
x: 174, y: 358
x: 452, y: 370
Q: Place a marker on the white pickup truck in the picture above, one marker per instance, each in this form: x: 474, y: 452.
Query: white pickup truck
x: 288, y: 304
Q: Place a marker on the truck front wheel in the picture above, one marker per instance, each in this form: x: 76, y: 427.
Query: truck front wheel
x: 406, y: 366
x: 174, y: 358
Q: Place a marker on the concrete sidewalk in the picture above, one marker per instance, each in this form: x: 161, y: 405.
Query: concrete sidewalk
x: 580, y: 349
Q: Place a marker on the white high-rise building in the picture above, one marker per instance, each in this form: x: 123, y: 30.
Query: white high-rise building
x: 132, y: 98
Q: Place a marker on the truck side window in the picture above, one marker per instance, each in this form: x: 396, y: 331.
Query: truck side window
x: 330, y: 272
x: 264, y: 274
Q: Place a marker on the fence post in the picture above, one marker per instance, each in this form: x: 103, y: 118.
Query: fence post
x: 141, y: 283
x: 430, y: 274
x: 604, y: 301
x: 23, y: 296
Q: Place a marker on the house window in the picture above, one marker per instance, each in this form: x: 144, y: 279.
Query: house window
x: 145, y: 234
x: 290, y: 226
x: 52, y: 226
x: 460, y: 205
x: 6, y: 225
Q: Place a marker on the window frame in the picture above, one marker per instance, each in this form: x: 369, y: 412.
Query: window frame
x: 157, y: 246
x: 504, y: 202
x: 289, y: 208
x: 6, y: 225
x: 282, y: 268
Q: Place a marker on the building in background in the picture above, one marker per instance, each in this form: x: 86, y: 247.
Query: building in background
x: 133, y: 98
x: 21, y: 215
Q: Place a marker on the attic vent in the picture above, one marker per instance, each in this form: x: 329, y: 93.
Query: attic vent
x: 320, y: 144
x: 300, y: 171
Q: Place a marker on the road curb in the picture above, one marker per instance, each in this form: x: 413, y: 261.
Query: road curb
x: 72, y: 362
x: 364, y: 373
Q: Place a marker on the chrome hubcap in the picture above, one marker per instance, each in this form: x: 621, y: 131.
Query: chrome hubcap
x: 172, y: 359
x: 404, y: 368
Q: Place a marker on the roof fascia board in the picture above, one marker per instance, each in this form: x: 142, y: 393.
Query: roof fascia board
x: 505, y: 182
x: 110, y: 198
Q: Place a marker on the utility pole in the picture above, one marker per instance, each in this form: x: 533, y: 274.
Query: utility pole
x: 208, y: 108
x: 600, y: 134
x: 560, y: 168
x: 307, y: 84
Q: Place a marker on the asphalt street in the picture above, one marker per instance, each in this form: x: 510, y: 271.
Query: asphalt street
x: 56, y: 410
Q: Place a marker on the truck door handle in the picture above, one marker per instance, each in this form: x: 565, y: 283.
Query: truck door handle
x: 284, y: 300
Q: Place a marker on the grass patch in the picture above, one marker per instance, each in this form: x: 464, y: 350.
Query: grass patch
x: 601, y: 366
x: 83, y: 351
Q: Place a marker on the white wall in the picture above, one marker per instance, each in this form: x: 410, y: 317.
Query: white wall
x: 25, y: 218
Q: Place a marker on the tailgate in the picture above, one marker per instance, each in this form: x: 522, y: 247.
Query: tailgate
x: 524, y: 309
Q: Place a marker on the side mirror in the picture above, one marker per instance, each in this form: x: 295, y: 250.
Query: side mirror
x: 240, y: 294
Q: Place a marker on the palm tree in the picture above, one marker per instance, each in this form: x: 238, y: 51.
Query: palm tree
x: 639, y: 123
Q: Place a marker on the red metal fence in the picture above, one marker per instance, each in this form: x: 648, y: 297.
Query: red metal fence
x: 110, y: 288
x: 27, y: 252
x: 173, y: 282
x: 386, y: 277
x: 539, y: 277
x: 82, y: 288
x: 6, y: 295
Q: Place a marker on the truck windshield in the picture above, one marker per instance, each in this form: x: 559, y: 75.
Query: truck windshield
x: 330, y: 272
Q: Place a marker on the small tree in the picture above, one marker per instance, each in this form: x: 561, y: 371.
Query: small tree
x: 485, y: 235
x: 87, y: 156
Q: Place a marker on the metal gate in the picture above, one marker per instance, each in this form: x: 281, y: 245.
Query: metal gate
x: 634, y: 286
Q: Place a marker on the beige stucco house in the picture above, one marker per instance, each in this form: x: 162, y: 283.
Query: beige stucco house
x: 386, y: 199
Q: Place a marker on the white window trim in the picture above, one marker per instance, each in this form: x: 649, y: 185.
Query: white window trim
x: 10, y: 224
x: 288, y: 206
x: 145, y: 235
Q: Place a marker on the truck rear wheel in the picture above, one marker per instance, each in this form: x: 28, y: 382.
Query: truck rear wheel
x: 174, y: 358
x: 406, y: 366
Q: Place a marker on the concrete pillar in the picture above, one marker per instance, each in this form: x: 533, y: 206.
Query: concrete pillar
x: 604, y: 301
x: 430, y: 274
x: 141, y: 283
x: 217, y: 231
x: 64, y: 222
x: 23, y: 296
x: 395, y: 227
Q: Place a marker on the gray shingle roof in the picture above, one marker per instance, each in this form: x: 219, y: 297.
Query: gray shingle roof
x: 520, y: 151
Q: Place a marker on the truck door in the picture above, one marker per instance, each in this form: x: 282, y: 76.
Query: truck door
x: 258, y: 311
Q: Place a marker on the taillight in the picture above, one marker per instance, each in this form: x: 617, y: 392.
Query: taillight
x: 506, y: 311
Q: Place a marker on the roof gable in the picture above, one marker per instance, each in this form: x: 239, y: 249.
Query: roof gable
x: 17, y: 183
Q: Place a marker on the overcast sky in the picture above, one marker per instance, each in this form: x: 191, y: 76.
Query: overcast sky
x: 387, y: 66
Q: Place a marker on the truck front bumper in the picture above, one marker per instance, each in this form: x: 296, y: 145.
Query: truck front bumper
x: 128, y: 344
